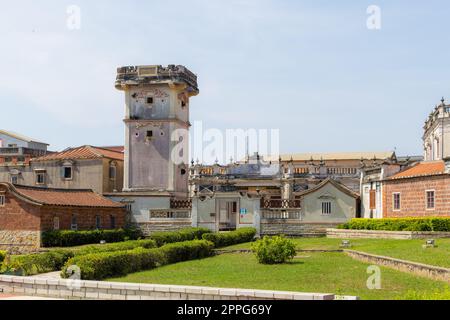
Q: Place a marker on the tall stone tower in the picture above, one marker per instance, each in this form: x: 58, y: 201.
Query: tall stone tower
x: 157, y: 123
x: 436, y: 137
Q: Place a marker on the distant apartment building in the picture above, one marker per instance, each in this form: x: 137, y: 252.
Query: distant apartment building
x: 85, y: 167
x: 16, y: 152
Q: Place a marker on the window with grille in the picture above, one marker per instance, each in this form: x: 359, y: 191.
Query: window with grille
x: 430, y: 199
x: 74, y: 224
x: 326, y: 207
x: 396, y: 201
x: 56, y: 223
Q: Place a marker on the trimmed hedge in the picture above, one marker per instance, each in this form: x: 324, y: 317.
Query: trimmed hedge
x: 55, y: 259
x: 186, y: 234
x: 399, y: 224
x: 32, y: 264
x: 118, y: 246
x: 100, y: 266
x: 69, y: 238
x: 223, y: 239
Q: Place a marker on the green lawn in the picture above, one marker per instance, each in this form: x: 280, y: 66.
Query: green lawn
x: 403, y: 249
x: 313, y: 272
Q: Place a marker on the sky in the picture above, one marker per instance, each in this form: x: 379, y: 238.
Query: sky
x: 312, y: 69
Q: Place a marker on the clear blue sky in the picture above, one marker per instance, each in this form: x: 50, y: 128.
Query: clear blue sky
x: 310, y: 68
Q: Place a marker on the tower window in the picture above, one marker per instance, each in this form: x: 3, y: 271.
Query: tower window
x: 2, y: 200
x: 149, y: 134
x: 183, y: 172
x: 149, y: 100
x: 183, y: 104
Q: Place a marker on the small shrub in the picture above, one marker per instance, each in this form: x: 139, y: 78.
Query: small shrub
x: 186, y: 234
x: 223, y: 239
x: 399, y: 224
x: 98, y: 266
x: 274, y: 250
x: 69, y: 238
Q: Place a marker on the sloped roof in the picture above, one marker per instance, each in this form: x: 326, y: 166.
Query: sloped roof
x: 20, y: 136
x: 429, y: 168
x: 334, y: 156
x: 62, y: 197
x: 336, y: 184
x: 114, y: 148
x: 83, y: 152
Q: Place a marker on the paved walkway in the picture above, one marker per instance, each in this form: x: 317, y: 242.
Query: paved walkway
x: 17, y: 297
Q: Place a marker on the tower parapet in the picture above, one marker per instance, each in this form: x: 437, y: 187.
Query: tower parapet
x: 155, y: 74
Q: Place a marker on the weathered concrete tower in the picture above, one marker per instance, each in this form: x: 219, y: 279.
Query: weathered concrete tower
x: 157, y: 124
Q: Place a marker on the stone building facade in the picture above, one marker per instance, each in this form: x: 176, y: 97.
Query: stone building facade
x: 25, y: 212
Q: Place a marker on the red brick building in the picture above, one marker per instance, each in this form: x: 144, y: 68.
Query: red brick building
x: 420, y: 191
x: 25, y: 212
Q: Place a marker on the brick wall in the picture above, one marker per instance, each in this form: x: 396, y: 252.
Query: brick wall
x: 413, y: 196
x: 86, y: 217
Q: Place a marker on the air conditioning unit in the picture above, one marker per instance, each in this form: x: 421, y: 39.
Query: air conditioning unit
x: 148, y: 71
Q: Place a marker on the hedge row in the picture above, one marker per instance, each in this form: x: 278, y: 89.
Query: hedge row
x: 186, y: 234
x: 55, y: 259
x: 32, y: 264
x: 69, y: 238
x: 118, y: 246
x: 399, y: 224
x: 100, y: 266
x: 224, y: 239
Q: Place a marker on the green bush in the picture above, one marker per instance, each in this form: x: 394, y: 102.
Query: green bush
x: 32, y: 264
x: 274, y: 250
x: 69, y: 238
x: 98, y: 266
x: 186, y: 234
x: 223, y: 239
x: 2, y: 255
x: 399, y: 224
